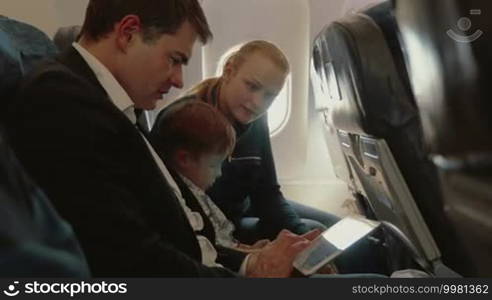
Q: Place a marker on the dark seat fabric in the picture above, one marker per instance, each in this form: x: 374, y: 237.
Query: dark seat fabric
x: 34, y: 240
x: 11, y: 71
x: 452, y: 87
x: 369, y: 101
x: 22, y: 47
x: 32, y: 44
x: 65, y: 36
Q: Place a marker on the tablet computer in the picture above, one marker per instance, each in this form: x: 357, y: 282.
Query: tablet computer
x: 332, y: 242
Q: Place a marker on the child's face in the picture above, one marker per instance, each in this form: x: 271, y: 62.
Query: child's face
x: 205, y: 169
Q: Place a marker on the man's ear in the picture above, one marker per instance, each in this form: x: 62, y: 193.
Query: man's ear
x: 127, y: 30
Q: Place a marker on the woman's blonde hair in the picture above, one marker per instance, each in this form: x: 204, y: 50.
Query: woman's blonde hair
x: 237, y: 58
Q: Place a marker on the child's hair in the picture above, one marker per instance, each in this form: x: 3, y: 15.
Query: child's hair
x: 194, y: 126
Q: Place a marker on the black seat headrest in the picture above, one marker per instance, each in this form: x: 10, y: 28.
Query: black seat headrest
x: 367, y: 92
x: 22, y: 47
x: 10, y: 64
x: 32, y: 44
x: 65, y: 36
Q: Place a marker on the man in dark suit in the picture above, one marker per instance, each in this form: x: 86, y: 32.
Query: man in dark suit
x: 73, y: 126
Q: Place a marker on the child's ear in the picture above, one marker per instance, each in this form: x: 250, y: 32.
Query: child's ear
x: 183, y: 158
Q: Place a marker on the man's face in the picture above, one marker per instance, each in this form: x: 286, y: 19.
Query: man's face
x: 151, y: 69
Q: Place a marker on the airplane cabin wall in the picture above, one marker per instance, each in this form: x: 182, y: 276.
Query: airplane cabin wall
x: 47, y: 15
x: 286, y: 24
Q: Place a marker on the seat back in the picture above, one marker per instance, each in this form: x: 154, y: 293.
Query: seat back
x: 34, y: 240
x: 10, y: 70
x: 448, y: 54
x: 32, y: 44
x: 372, y: 108
x: 22, y: 47
x: 65, y: 36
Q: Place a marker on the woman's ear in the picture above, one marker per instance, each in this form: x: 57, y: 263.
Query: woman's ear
x: 126, y: 31
x: 229, y: 71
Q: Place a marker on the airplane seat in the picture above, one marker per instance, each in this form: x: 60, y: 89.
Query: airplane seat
x: 448, y: 56
x: 371, y: 106
x: 22, y: 47
x: 65, y: 36
x: 34, y: 240
x: 10, y: 68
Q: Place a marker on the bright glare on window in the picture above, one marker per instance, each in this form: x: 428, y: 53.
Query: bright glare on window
x: 279, y: 111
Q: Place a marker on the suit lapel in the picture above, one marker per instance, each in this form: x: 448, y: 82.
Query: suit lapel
x: 76, y: 63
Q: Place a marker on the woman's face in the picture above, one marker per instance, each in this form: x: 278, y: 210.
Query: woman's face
x: 248, y: 91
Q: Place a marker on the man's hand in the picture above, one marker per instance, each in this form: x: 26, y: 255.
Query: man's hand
x: 275, y: 259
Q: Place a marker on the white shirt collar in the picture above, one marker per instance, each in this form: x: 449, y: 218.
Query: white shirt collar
x: 192, y: 186
x: 115, y: 91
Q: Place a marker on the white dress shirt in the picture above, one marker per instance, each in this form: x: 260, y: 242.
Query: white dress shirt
x: 123, y: 102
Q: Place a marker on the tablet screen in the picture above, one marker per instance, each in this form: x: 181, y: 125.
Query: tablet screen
x: 348, y: 231
x: 332, y: 242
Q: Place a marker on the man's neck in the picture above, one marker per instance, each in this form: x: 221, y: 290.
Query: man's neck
x: 102, y: 51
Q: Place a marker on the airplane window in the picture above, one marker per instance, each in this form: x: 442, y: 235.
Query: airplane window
x: 279, y: 111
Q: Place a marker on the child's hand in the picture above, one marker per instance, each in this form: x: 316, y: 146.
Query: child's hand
x: 260, y: 244
x: 253, y: 248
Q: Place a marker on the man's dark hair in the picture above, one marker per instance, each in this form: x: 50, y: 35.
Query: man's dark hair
x: 157, y: 17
